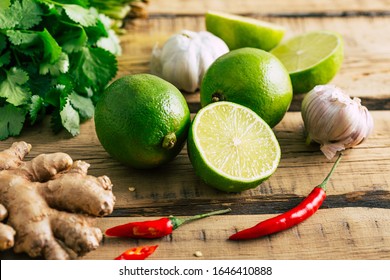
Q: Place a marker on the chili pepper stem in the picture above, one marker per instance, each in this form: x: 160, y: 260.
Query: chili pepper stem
x: 323, y: 184
x: 178, y: 222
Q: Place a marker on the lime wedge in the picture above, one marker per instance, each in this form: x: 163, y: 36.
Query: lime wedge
x: 231, y: 148
x: 311, y: 59
x: 239, y: 31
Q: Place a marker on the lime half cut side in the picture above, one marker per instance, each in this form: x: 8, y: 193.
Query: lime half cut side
x: 231, y: 148
x: 240, y: 31
x: 311, y: 59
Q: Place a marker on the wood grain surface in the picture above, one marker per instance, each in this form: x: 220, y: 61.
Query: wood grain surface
x: 354, y: 221
x: 298, y: 8
x: 365, y: 71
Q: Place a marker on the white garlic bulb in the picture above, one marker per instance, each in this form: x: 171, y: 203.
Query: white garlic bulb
x: 334, y: 120
x: 185, y: 57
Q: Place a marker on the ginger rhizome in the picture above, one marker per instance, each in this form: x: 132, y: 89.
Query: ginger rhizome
x: 50, y: 204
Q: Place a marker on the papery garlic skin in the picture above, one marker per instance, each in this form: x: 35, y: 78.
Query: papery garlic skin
x: 185, y: 57
x: 334, y: 120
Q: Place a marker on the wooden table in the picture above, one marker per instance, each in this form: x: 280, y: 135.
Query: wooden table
x: 353, y: 223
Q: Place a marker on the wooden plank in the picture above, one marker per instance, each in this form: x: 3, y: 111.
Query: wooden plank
x: 361, y: 179
x: 335, y: 234
x: 267, y: 7
x: 353, y: 222
x: 350, y: 233
x: 364, y: 73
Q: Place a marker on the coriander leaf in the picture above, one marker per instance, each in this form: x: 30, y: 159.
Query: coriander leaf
x: 53, y: 59
x: 61, y: 66
x: 83, y: 105
x: 85, y: 17
x: 22, y: 38
x: 66, y: 84
x: 51, y: 7
x: 70, y: 119
x: 35, y: 43
x: 74, y: 39
x: 93, y: 67
x: 62, y: 87
x: 14, y: 87
x: 5, y: 58
x: 35, y: 107
x: 96, y: 32
x: 8, y: 19
x: 110, y: 43
x: 11, y: 121
x: 40, y: 44
x: 39, y: 84
x: 31, y: 14
x: 22, y: 14
x: 52, y: 51
x: 27, y: 42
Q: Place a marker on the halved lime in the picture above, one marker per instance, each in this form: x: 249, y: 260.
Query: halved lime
x: 239, y: 31
x: 311, y: 59
x: 231, y: 148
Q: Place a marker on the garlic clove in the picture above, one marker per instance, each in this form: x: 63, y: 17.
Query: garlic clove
x: 334, y: 120
x: 185, y: 57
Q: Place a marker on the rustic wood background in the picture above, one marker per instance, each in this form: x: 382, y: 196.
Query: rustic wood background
x: 353, y: 223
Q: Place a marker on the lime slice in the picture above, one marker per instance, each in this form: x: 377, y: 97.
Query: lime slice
x: 311, y: 59
x: 231, y: 148
x: 239, y: 31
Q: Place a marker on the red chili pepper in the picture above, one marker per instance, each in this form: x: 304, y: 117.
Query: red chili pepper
x: 137, y: 253
x: 155, y: 228
x: 296, y: 215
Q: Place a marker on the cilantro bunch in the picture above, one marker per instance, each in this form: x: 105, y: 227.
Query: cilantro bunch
x: 56, y: 57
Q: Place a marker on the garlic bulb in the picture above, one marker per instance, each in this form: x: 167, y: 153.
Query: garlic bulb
x: 185, y: 57
x: 334, y: 120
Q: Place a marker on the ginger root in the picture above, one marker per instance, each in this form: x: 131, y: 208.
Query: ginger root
x: 50, y: 203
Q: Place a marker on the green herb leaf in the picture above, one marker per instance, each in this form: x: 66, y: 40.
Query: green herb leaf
x: 27, y: 42
x: 22, y: 14
x: 11, y: 121
x: 73, y: 39
x: 60, y: 66
x: 111, y: 43
x: 96, y: 32
x: 83, y: 105
x: 85, y: 17
x: 35, y: 108
x: 56, y: 56
x: 22, y: 38
x: 70, y: 119
x: 14, y: 87
x: 52, y: 51
x: 85, y: 64
x: 31, y: 14
x: 5, y: 59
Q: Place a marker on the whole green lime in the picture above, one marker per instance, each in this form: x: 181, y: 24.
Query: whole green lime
x: 142, y: 120
x: 250, y: 77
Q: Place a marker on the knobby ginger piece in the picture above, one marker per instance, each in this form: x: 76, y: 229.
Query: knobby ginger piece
x: 50, y: 204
